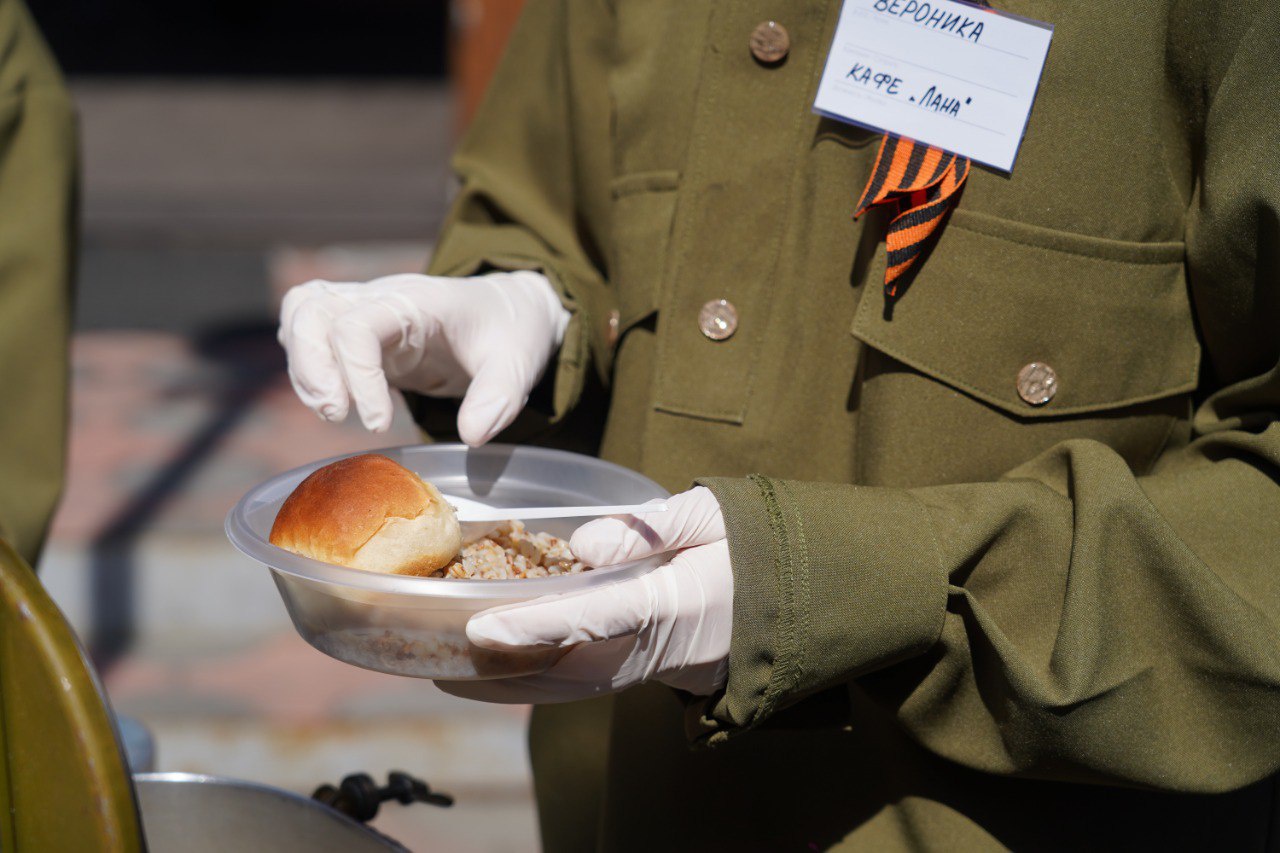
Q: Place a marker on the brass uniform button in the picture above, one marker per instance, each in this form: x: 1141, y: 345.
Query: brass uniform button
x: 770, y: 42
x: 612, y: 331
x: 1037, y: 383
x: 718, y: 319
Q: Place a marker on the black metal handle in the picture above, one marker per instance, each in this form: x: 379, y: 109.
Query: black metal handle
x: 358, y: 796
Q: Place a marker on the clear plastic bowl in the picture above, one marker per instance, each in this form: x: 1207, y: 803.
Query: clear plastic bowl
x: 416, y: 626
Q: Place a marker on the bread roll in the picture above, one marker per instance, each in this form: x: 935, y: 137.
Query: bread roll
x: 370, y: 513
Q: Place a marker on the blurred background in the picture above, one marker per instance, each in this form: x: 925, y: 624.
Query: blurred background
x: 232, y: 149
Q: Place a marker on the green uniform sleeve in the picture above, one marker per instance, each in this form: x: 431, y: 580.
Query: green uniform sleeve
x: 37, y: 182
x: 1071, y: 620
x: 534, y: 155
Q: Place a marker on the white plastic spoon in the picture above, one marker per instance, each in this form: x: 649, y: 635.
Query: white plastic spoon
x: 478, y: 519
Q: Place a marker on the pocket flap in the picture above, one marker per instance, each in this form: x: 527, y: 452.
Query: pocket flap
x: 643, y: 207
x: 1111, y: 319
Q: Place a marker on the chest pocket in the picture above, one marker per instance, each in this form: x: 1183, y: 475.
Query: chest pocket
x: 656, y: 52
x: 643, y: 207
x: 1107, y: 325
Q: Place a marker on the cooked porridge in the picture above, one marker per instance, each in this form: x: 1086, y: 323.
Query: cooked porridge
x: 511, y: 551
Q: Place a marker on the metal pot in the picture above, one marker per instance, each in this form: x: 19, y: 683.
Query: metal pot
x: 191, y: 813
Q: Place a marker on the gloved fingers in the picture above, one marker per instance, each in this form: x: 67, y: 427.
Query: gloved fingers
x: 692, y: 518
x: 423, y: 358
x: 434, y: 370
x: 495, y: 396
x: 359, y: 337
x: 585, y: 671
x: 299, y: 307
x: 559, y: 621
x: 306, y: 316
x: 698, y: 595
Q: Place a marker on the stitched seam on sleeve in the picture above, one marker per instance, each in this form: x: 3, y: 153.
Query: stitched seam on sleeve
x: 801, y: 600
x: 785, y: 633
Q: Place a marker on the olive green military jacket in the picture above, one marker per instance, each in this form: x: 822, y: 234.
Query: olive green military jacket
x: 961, y: 621
x: 37, y: 180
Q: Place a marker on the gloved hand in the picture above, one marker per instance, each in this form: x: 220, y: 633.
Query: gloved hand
x: 488, y: 338
x: 671, y: 625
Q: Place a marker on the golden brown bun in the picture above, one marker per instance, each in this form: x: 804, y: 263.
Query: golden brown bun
x: 371, y: 513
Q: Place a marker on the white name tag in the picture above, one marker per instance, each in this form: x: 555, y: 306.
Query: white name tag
x: 949, y: 74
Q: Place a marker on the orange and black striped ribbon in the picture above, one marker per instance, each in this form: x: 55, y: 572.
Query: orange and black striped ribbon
x: 920, y: 182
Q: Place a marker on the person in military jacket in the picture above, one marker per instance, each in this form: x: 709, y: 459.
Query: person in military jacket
x: 993, y: 564
x: 37, y: 213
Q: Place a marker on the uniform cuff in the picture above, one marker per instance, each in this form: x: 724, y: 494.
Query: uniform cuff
x: 830, y: 582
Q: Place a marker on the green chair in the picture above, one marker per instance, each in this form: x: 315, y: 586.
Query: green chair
x: 64, y: 784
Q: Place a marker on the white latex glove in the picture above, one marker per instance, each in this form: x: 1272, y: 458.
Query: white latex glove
x: 670, y: 625
x: 486, y: 339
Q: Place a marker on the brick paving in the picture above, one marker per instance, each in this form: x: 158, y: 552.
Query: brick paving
x: 214, y: 668
x: 139, y: 398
